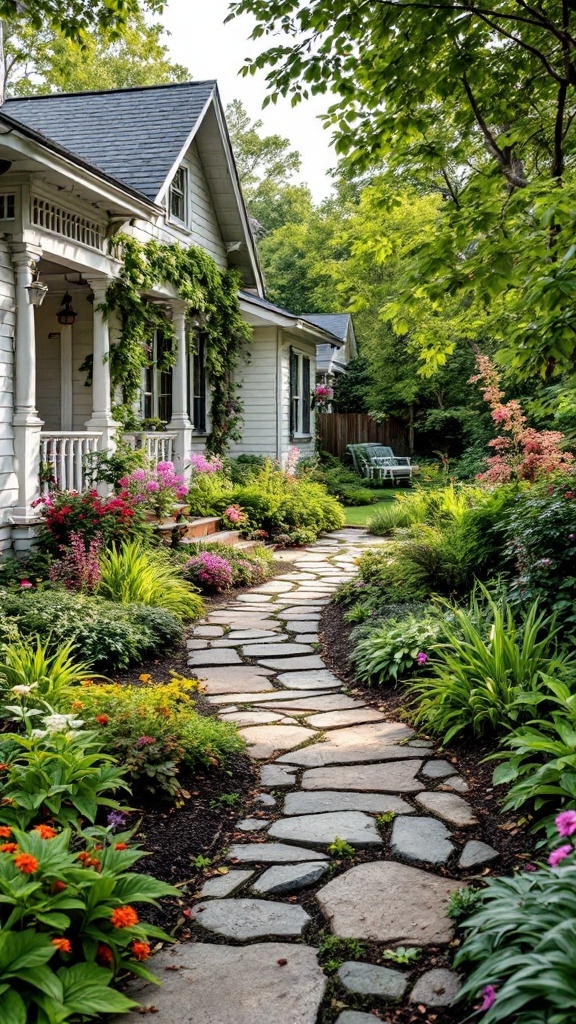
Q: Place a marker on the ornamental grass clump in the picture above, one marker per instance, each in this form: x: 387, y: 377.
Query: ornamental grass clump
x: 209, y: 571
x: 133, y: 575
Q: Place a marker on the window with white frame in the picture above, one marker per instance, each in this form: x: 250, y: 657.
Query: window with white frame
x: 156, y: 403
x: 197, y: 388
x: 178, y: 196
x: 299, y: 394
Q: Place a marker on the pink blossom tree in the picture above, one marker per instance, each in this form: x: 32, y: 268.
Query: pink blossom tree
x: 522, y: 453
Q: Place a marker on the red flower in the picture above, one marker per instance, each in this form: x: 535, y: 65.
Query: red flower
x: 121, y: 846
x: 102, y: 719
x: 62, y: 945
x: 104, y: 955
x: 26, y: 863
x: 8, y: 847
x: 59, y: 886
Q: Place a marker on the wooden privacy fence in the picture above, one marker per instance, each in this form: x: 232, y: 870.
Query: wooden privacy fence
x: 338, y: 429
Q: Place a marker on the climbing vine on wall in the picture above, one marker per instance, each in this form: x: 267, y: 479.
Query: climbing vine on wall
x: 212, y: 295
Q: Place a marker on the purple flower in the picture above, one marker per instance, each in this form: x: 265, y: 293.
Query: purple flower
x: 145, y: 741
x: 559, y: 854
x: 421, y: 658
x: 488, y: 997
x: 566, y: 823
x: 572, y: 536
x: 115, y: 819
x: 530, y: 867
x: 138, y: 474
x: 152, y: 485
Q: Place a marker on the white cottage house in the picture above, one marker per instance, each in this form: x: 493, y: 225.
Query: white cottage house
x: 75, y: 169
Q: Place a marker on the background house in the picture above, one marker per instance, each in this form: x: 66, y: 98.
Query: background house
x: 154, y: 163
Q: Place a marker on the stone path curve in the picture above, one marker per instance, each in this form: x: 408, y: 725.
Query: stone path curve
x: 331, y: 766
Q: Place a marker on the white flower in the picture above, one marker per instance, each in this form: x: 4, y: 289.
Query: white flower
x: 23, y: 691
x: 62, y: 723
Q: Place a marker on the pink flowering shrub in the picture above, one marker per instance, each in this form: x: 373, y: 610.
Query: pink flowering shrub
x: 79, y: 566
x: 156, y: 490
x: 321, y: 397
x: 205, y: 464
x: 234, y: 518
x: 209, y: 571
x: 522, y: 453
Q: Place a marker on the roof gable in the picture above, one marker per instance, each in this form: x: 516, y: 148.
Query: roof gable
x: 337, y: 324
x: 133, y: 135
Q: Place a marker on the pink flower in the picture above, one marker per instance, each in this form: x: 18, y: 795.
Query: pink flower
x: 560, y: 853
x: 152, y: 485
x: 26, y: 585
x: 566, y: 823
x: 139, y: 474
x: 421, y: 658
x: 489, y: 997
x: 530, y: 867
x: 145, y: 741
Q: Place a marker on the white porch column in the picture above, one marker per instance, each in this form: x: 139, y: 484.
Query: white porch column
x: 180, y: 422
x: 101, y: 418
x: 27, y: 424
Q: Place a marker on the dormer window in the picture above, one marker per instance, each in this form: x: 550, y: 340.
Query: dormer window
x: 178, y: 196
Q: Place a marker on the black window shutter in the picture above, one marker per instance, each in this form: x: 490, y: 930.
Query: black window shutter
x: 305, y: 395
x: 293, y: 390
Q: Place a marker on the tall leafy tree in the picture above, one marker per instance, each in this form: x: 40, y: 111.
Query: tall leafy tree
x: 267, y: 166
x: 475, y: 101
x: 50, y: 61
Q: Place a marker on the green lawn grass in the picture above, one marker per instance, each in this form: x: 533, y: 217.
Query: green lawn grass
x: 360, y: 514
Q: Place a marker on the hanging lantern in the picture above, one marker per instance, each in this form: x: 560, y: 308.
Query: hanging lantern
x: 66, y: 315
x: 36, y: 292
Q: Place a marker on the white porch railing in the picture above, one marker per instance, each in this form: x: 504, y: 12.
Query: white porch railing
x: 62, y: 458
x: 158, y: 445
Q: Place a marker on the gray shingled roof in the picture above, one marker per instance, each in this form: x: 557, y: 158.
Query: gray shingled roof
x: 133, y: 135
x: 335, y: 323
x: 314, y: 320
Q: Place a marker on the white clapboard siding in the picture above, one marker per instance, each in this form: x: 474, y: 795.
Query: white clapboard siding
x: 309, y: 349
x: 258, y: 395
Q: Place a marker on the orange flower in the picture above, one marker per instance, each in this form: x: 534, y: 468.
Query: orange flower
x: 5, y: 832
x: 141, y: 950
x: 26, y: 863
x: 84, y: 857
x: 77, y: 704
x: 4, y: 767
x: 45, y: 831
x: 104, y: 955
x: 124, y: 917
x: 8, y: 847
x: 59, y: 886
x: 62, y: 945
x: 121, y: 846
x: 102, y: 719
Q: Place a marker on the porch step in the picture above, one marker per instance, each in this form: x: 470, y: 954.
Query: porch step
x: 226, y: 537
x: 207, y: 526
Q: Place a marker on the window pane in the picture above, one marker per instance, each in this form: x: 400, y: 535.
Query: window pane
x: 199, y: 386
x: 178, y: 194
x: 293, y: 392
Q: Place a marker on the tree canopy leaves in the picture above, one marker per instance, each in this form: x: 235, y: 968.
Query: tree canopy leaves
x: 75, y: 18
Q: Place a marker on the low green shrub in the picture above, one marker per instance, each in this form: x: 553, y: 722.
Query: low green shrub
x: 382, y: 580
x: 21, y: 572
x: 67, y: 925
x: 133, y: 575
x: 109, y: 636
x: 539, y: 758
x: 56, y: 771
x: 394, y: 649
x: 519, y: 943
x: 392, y: 517
x: 490, y: 670
x: 155, y: 729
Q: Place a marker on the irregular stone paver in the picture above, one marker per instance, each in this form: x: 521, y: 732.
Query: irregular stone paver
x: 437, y: 769
x: 225, y: 885
x: 285, y: 664
x: 377, y: 741
x: 208, y: 631
x: 355, y: 1017
x: 252, y: 717
x: 273, y: 587
x: 353, y: 827
x: 265, y: 740
x: 369, y: 980
x: 421, y: 839
x: 252, y: 824
x: 321, y: 802
x: 309, y: 680
x: 317, y: 702
x: 269, y: 642
x: 436, y: 988
x: 265, y: 799
x: 302, y: 611
x: 475, y: 854
x: 263, y: 983
x: 243, y: 919
x: 272, y: 853
x: 306, y: 638
x: 281, y: 880
x: 279, y: 647
x: 253, y: 634
x: 449, y: 806
x: 339, y: 719
x: 225, y: 680
x: 254, y: 598
x: 455, y: 784
x: 258, y: 697
x: 354, y: 906
x: 223, y: 656
x: 392, y: 777
x: 275, y: 775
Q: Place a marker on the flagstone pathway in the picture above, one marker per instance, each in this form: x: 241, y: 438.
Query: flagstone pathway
x: 343, y: 765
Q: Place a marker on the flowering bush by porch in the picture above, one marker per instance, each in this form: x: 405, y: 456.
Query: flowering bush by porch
x: 109, y: 520
x: 156, y: 490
